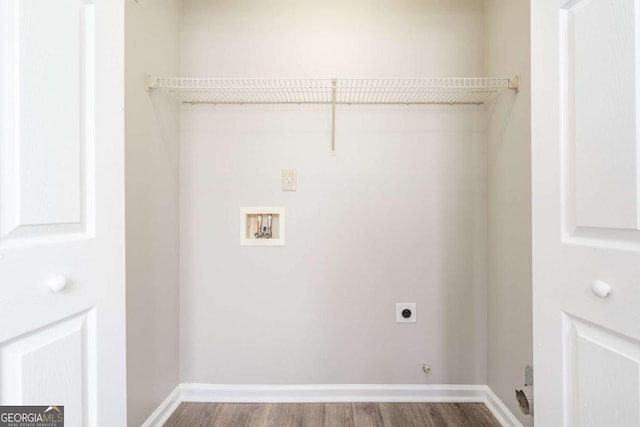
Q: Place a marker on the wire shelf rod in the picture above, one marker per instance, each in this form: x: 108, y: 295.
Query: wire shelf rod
x: 350, y: 95
x: 385, y: 91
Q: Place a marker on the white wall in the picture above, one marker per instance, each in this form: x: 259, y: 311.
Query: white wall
x: 509, y: 180
x: 152, y: 208
x: 399, y: 215
x: 332, y: 38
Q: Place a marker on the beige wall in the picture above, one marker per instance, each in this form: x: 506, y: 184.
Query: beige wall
x: 399, y: 215
x: 509, y: 181
x: 152, y: 209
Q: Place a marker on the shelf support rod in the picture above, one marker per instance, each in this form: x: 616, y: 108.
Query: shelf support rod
x: 333, y: 116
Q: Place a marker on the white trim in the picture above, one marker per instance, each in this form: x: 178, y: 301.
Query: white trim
x: 332, y: 393
x: 166, y: 408
x: 195, y: 392
x: 499, y: 410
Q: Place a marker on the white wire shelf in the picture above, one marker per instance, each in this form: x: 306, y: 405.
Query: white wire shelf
x: 334, y: 91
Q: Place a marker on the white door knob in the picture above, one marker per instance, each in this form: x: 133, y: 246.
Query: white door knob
x: 600, y: 288
x: 57, y: 283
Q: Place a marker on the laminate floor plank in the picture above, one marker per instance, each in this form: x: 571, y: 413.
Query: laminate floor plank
x: 480, y: 414
x: 286, y: 414
x: 370, y: 414
x: 367, y: 414
x: 453, y: 415
x: 193, y: 414
x: 401, y: 415
x: 313, y: 414
x: 241, y: 415
x: 338, y: 415
x: 432, y: 415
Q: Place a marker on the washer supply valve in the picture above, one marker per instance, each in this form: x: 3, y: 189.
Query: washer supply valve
x: 264, y: 231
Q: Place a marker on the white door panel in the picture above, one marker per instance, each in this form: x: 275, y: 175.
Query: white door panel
x: 586, y: 169
x: 61, y: 208
x: 602, y: 375
x: 599, y: 113
x: 52, y: 364
x: 47, y: 60
x: 49, y: 138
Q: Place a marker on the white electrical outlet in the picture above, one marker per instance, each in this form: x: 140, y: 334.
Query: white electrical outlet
x: 406, y: 312
x: 289, y: 179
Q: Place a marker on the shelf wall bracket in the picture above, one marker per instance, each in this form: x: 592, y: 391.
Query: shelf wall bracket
x: 514, y: 83
x: 150, y: 82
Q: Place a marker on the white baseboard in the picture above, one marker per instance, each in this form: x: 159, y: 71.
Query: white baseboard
x: 192, y: 392
x: 499, y: 410
x: 332, y: 393
x: 164, y: 411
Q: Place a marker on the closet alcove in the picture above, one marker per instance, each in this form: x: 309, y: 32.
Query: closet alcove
x: 426, y: 200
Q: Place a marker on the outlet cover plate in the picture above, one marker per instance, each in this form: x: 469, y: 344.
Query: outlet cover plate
x: 289, y: 179
x: 400, y: 307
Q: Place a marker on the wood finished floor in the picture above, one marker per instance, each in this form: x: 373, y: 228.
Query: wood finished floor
x: 331, y: 415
